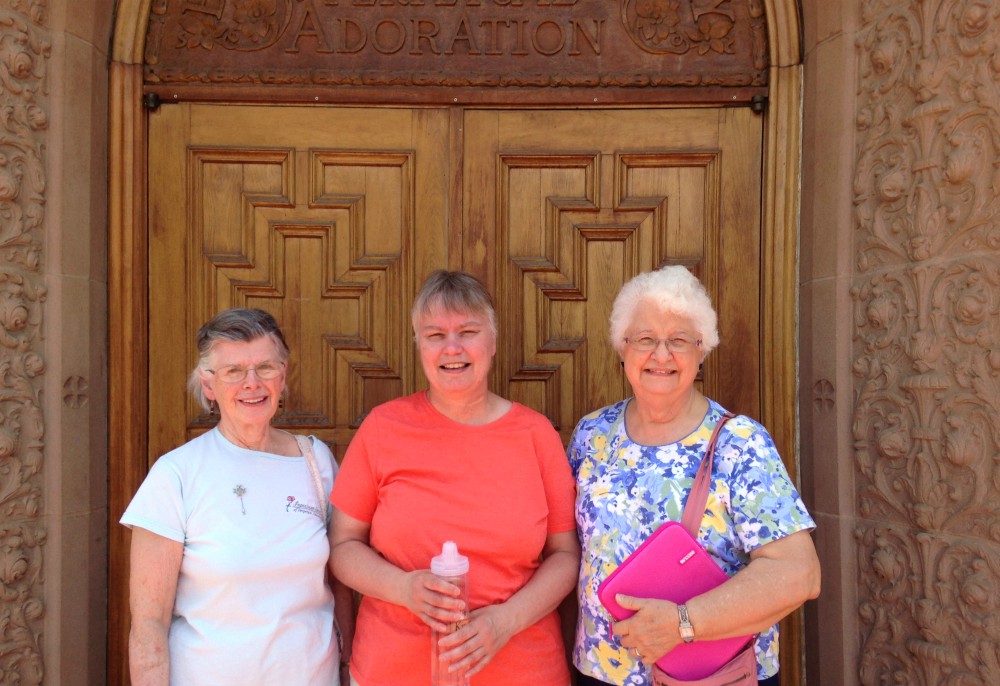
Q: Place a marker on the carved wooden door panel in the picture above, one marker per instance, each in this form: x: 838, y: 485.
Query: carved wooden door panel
x: 330, y: 217
x: 562, y: 207
x: 312, y: 214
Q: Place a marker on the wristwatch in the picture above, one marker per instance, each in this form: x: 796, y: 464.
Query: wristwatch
x: 687, y: 631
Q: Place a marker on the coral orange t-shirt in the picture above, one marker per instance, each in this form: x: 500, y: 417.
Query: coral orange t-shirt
x: 497, y: 490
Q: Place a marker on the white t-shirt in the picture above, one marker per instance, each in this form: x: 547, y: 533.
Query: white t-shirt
x: 252, y: 605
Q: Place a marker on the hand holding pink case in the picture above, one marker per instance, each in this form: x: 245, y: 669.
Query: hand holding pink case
x: 671, y: 565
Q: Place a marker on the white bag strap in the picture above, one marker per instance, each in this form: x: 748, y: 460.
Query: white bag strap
x: 305, y: 447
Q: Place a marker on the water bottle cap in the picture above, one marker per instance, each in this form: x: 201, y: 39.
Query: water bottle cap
x: 449, y: 562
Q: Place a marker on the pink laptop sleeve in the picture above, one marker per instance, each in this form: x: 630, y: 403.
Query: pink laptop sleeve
x: 671, y: 565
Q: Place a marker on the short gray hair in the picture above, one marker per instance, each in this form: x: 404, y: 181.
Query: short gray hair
x: 674, y: 289
x: 239, y: 324
x: 454, y: 292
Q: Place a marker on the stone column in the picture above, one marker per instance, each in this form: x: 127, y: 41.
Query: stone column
x: 53, y: 290
x: 901, y: 338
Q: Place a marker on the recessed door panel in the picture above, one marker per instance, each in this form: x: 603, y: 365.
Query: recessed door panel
x: 327, y: 218
x: 563, y: 207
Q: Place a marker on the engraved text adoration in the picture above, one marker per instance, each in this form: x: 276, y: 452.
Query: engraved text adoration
x: 458, y: 42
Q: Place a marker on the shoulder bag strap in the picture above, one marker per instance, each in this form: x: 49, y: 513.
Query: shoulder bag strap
x: 305, y: 447
x: 694, y: 509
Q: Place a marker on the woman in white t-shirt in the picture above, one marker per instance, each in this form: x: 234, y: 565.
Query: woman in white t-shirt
x: 229, y: 546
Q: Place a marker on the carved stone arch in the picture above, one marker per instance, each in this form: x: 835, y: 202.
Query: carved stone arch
x: 128, y: 338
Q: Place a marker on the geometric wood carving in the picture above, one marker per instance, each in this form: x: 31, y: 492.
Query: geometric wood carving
x: 559, y: 221
x: 564, y: 250
x: 327, y: 267
x: 571, y: 229
x: 310, y: 214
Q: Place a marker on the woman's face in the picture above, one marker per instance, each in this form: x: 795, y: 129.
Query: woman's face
x: 252, y: 400
x: 456, y: 350
x: 660, y: 372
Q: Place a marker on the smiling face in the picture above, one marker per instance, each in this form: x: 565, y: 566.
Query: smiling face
x: 456, y: 350
x: 252, y: 401
x: 660, y: 375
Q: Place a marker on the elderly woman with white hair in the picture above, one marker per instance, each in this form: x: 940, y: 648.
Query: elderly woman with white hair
x: 635, y: 462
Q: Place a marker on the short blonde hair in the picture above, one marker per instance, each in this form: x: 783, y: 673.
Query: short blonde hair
x: 674, y: 289
x: 454, y: 292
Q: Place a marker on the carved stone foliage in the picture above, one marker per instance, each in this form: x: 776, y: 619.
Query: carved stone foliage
x: 927, y: 343
x: 24, y: 53
x: 455, y: 43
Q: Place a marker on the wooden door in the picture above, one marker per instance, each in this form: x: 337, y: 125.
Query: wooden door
x: 330, y: 218
x: 327, y: 218
x: 563, y: 206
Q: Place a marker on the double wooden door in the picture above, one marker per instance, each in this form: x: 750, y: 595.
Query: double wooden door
x: 330, y: 218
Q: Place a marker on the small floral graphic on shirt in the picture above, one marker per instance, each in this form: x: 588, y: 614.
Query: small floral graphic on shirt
x: 240, y: 491
x: 300, y: 506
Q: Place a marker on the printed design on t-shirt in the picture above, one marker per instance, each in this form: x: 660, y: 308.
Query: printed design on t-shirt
x: 240, y: 491
x: 294, y: 505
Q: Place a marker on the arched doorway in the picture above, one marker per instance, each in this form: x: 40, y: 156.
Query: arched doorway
x: 461, y: 184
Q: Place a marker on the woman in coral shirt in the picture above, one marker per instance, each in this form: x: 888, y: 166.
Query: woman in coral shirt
x: 456, y: 463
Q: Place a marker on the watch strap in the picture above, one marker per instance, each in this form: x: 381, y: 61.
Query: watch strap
x: 686, y: 630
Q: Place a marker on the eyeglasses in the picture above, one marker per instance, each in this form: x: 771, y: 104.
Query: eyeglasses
x: 674, y: 344
x: 233, y: 373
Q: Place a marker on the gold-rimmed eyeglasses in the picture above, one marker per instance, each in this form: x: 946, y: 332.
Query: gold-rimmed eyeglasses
x: 674, y: 344
x: 235, y: 373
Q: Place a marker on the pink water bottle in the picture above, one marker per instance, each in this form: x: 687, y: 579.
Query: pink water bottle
x: 453, y: 568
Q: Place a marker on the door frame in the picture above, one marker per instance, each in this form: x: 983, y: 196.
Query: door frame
x: 127, y: 284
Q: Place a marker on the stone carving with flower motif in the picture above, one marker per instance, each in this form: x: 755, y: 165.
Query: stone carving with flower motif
x: 677, y: 26
x: 927, y: 366
x: 24, y: 54
x: 236, y: 25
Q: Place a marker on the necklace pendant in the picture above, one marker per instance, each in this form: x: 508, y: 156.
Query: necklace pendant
x: 240, y: 491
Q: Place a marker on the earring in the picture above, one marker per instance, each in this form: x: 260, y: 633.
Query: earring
x: 213, y: 409
x: 282, y: 397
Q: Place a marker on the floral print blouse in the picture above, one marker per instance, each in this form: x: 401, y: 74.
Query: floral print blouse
x: 626, y: 490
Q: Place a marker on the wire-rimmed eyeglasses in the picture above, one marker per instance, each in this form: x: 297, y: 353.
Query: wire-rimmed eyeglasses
x: 674, y: 344
x: 235, y: 373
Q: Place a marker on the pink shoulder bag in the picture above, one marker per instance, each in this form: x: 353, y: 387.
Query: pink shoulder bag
x: 742, y: 669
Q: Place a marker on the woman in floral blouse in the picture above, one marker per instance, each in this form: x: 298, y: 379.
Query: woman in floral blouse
x: 634, y: 463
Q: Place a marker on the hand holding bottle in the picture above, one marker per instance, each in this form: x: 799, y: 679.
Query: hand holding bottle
x: 437, y: 602
x: 452, y: 568
x: 469, y: 649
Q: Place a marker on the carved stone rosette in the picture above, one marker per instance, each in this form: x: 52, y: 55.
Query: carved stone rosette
x: 24, y: 55
x: 927, y: 341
